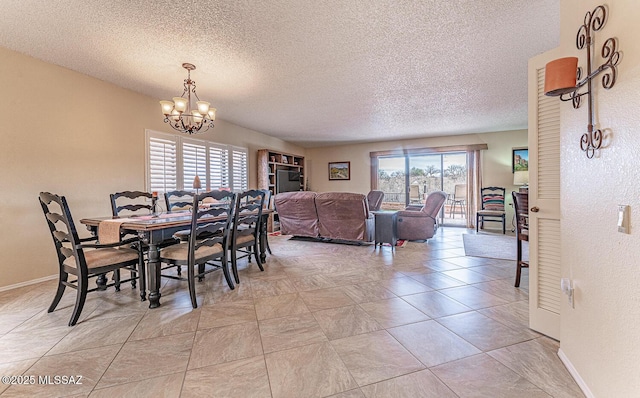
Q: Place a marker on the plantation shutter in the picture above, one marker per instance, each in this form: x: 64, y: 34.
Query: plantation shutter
x: 544, y: 202
x: 194, y: 162
x: 548, y: 184
x: 239, y: 167
x: 162, y: 162
x: 218, y: 166
x: 173, y: 162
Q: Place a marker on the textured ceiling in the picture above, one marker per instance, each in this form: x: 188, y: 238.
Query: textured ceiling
x: 309, y: 72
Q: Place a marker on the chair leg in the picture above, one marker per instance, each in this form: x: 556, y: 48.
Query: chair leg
x: 192, y: 285
x: 477, y: 222
x: 256, y: 254
x: 116, y: 279
x: 518, y: 262
x: 266, y: 243
x: 81, y: 296
x: 61, y: 286
x: 134, y: 278
x: 225, y: 268
x: 504, y: 225
x: 200, y: 272
x: 234, y: 262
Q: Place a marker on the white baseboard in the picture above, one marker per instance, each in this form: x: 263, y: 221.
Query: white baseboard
x: 27, y: 283
x: 574, y: 373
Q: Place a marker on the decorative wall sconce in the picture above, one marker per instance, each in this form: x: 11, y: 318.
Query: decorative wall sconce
x: 562, y: 74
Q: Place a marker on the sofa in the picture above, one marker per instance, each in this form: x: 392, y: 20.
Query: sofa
x: 329, y: 215
x: 420, y: 223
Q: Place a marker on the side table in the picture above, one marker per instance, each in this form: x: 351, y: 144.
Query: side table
x: 386, y: 227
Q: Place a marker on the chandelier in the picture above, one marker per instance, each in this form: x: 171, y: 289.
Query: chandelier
x: 182, y: 116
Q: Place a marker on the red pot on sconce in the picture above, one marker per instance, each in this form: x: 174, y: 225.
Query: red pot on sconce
x: 560, y: 76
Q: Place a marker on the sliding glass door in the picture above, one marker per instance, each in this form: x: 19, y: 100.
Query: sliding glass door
x: 407, y: 180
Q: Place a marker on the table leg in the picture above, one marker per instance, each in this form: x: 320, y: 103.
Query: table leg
x: 154, y: 276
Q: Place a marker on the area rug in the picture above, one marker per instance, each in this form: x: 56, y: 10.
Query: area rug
x: 493, y: 246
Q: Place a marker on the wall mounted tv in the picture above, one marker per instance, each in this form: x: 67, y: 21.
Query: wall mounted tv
x: 287, y: 181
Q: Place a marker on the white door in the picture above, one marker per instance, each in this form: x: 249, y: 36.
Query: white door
x: 544, y: 202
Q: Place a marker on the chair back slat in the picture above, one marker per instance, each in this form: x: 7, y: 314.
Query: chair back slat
x: 131, y: 202
x: 63, y: 231
x: 521, y: 204
x: 248, y: 211
x: 178, y: 200
x: 493, y: 198
x: 217, y: 205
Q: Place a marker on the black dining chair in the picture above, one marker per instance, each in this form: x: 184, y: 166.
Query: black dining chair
x: 245, y: 232
x: 521, y: 205
x: 178, y: 200
x: 128, y: 203
x: 85, y: 260
x: 207, y: 241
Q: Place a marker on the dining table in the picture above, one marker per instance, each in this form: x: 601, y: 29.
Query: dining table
x: 155, y: 229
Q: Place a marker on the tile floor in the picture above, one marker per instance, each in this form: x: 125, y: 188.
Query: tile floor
x: 322, y: 320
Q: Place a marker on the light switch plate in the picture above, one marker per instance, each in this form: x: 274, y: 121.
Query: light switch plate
x: 623, y: 219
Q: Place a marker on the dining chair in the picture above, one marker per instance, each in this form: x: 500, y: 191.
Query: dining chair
x: 178, y: 200
x: 492, y: 207
x: 267, y: 205
x: 131, y: 203
x: 85, y: 260
x: 521, y: 205
x: 245, y: 231
x: 207, y: 241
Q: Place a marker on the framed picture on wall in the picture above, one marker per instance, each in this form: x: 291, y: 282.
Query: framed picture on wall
x: 520, y: 159
x: 339, y: 170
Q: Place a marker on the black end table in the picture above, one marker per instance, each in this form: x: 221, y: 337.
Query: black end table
x: 386, y: 227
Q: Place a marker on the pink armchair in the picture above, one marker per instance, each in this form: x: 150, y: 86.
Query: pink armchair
x: 297, y: 213
x: 420, y: 224
x: 374, y: 198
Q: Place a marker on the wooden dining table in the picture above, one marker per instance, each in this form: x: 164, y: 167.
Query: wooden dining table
x: 153, y: 230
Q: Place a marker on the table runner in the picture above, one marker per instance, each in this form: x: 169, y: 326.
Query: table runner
x: 109, y: 230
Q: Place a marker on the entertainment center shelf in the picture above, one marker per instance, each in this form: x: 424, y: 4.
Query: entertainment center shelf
x: 279, y: 172
x: 271, y: 162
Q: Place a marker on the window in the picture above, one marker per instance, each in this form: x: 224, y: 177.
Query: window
x: 218, y: 166
x: 407, y: 176
x: 173, y: 162
x: 194, y: 162
x: 162, y: 163
x: 238, y: 168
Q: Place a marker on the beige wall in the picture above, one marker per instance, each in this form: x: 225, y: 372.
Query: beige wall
x: 80, y: 137
x: 601, y: 335
x: 496, y: 161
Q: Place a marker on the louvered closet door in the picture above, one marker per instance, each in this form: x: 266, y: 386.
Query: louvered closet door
x: 544, y: 202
